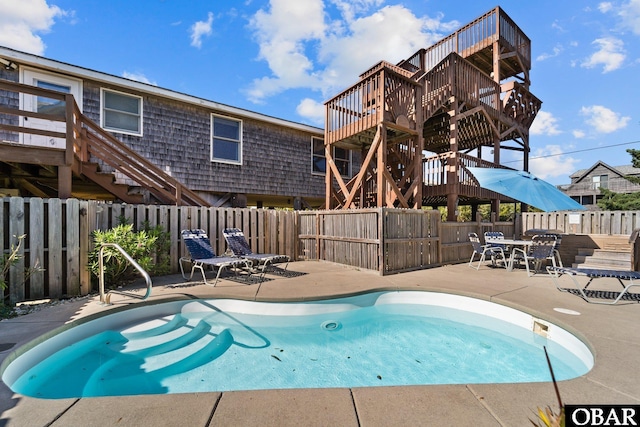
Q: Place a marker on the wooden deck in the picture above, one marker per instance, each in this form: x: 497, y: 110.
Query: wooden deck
x: 468, y: 91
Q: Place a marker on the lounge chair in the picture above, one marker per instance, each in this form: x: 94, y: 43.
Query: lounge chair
x: 202, y: 256
x: 592, y: 274
x: 240, y: 248
x: 541, y: 249
x: 494, y: 252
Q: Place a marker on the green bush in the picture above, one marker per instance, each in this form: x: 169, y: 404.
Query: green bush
x: 149, y: 247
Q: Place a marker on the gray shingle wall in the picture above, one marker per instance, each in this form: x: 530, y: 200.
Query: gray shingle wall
x: 276, y: 160
x: 11, y: 100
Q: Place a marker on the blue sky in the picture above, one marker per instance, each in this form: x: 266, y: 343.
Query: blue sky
x: 284, y: 58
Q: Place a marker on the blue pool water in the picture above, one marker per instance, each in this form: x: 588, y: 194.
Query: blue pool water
x: 379, y: 339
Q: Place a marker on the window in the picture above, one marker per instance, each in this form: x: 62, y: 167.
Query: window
x: 600, y: 181
x: 121, y: 112
x: 341, y: 157
x: 226, y: 140
x: 319, y: 161
x: 48, y: 105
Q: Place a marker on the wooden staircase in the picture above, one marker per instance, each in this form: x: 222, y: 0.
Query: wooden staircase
x: 91, y: 155
x: 614, y: 254
x: 467, y: 91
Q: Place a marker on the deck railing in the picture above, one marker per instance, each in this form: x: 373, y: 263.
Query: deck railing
x: 618, y: 185
x: 434, y: 168
x: 85, y: 141
x: 472, y: 38
x: 383, y: 94
x: 456, y: 77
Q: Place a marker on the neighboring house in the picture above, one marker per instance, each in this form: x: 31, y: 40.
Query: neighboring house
x: 228, y: 156
x: 586, y: 183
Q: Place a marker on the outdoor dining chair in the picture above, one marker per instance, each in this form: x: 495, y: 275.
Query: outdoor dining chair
x: 493, y: 252
x: 541, y: 249
x: 496, y: 235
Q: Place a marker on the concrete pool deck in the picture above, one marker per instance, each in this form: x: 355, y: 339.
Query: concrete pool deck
x: 612, y: 332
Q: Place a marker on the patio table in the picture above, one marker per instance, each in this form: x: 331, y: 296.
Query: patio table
x: 510, y: 242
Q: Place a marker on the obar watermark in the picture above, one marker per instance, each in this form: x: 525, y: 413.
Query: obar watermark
x: 602, y: 415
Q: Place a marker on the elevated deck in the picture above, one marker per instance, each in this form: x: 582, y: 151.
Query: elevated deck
x: 469, y: 90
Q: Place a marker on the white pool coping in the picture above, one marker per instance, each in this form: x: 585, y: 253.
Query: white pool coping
x: 25, y: 360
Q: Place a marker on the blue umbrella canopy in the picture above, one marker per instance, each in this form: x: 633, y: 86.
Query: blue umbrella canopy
x: 526, y: 188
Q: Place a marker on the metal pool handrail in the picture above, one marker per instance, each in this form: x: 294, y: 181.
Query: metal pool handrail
x: 133, y: 262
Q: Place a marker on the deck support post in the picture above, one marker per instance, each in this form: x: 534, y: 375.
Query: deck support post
x: 64, y: 182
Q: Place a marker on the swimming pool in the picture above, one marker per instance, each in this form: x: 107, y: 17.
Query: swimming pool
x: 374, y: 339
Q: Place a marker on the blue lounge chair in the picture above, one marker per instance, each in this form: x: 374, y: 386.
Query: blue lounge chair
x: 592, y: 274
x: 202, y: 256
x: 240, y: 248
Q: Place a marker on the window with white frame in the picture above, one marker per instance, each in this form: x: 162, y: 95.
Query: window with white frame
x: 600, y: 181
x: 226, y: 139
x: 121, y: 112
x: 341, y: 158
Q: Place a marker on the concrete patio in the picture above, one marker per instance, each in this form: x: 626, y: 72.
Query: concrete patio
x: 611, y: 332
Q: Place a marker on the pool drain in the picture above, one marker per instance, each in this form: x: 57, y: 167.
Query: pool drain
x: 331, y: 325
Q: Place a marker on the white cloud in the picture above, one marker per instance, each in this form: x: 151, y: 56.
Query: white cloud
x: 139, y: 77
x: 610, y: 54
x: 557, y: 50
x: 604, y: 120
x: 545, y: 124
x: 22, y: 21
x: 350, y: 8
x: 578, y: 133
x: 312, y: 110
x: 547, y: 162
x: 629, y: 14
x: 556, y: 26
x: 305, y: 49
x: 605, y: 6
x: 282, y: 33
x: 201, y: 29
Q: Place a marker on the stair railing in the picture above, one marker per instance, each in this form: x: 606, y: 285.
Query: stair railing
x: 84, y: 140
x: 96, y: 142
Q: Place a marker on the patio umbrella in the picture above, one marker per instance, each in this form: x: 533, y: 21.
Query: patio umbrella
x: 526, y: 188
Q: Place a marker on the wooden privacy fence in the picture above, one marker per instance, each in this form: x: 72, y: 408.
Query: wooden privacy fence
x: 59, y: 237
x: 382, y: 239
x: 455, y: 246
x: 584, y: 222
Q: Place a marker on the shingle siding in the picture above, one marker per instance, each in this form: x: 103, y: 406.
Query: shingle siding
x: 176, y: 136
x: 10, y: 100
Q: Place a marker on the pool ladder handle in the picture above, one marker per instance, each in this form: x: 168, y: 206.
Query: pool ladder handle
x: 106, y: 299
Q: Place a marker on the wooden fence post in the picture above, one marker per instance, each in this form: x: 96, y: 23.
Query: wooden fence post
x: 16, y: 229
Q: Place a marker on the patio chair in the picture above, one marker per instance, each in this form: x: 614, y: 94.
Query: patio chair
x: 202, y: 256
x: 484, y: 250
x: 541, y: 249
x: 496, y: 235
x: 240, y: 248
x: 558, y: 233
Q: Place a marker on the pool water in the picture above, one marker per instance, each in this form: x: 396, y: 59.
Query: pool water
x: 381, y: 339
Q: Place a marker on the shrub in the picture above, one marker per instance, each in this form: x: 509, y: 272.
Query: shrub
x: 142, y: 246
x: 6, y: 262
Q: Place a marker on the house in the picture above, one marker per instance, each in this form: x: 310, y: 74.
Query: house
x: 156, y: 145
x: 586, y: 183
